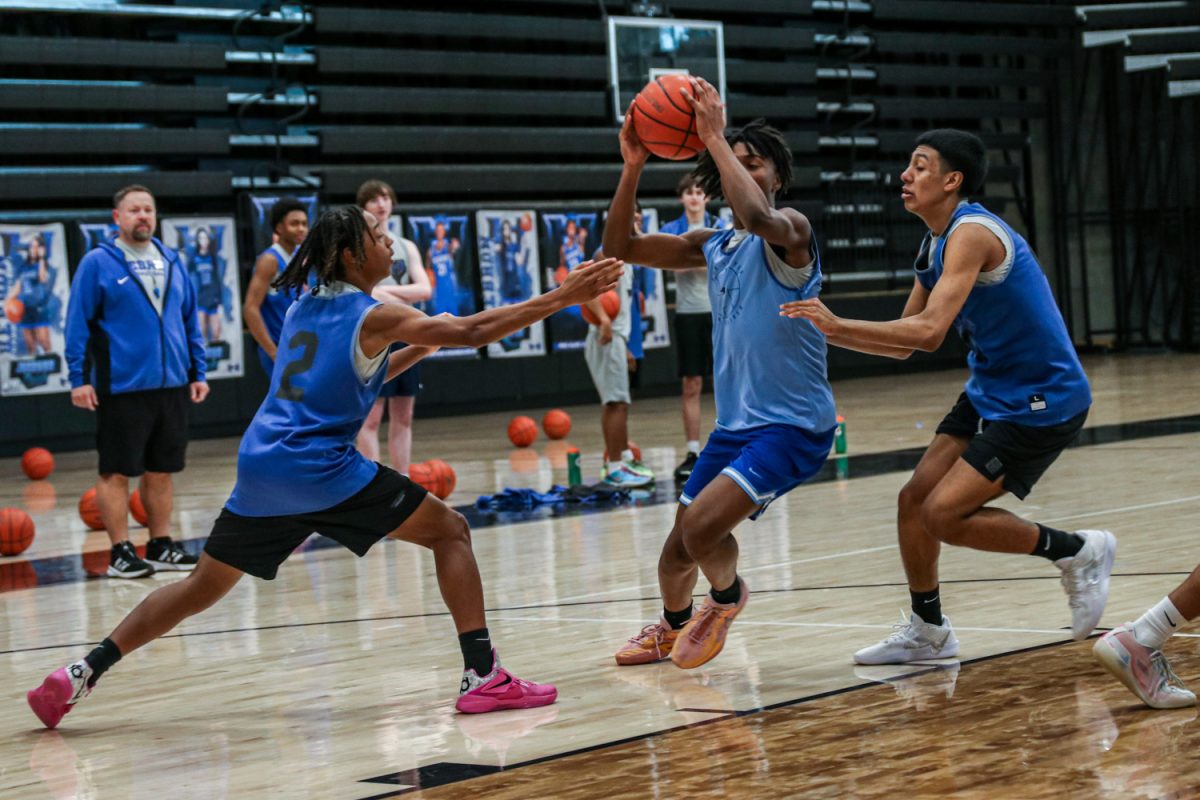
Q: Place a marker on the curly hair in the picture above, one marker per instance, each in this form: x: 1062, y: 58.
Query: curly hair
x: 762, y: 140
x: 338, y: 229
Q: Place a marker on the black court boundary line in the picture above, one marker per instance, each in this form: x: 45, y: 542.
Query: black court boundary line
x: 552, y: 606
x: 732, y: 714
x: 54, y: 570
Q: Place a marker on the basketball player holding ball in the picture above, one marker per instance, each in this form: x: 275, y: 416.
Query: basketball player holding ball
x: 775, y: 412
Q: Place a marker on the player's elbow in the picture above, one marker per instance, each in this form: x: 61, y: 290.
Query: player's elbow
x: 422, y: 294
x: 931, y: 340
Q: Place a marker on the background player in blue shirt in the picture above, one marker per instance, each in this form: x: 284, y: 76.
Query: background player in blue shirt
x: 266, y: 305
x: 1026, y: 399
x: 775, y: 415
x: 299, y: 472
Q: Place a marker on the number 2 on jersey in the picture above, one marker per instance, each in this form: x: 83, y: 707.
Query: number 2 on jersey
x: 308, y: 340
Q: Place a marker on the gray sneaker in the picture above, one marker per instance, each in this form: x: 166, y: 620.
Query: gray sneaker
x: 1085, y: 580
x: 913, y: 639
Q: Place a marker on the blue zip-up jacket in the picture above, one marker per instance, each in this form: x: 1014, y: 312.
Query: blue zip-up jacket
x: 116, y: 341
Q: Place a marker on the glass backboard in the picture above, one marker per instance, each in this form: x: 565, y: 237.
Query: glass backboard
x: 640, y: 49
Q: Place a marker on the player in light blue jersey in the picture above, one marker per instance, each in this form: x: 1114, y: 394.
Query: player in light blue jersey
x: 775, y: 415
x: 299, y: 472
x: 1025, y: 401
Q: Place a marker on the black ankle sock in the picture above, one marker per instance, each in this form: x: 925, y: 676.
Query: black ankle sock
x: 677, y: 619
x: 730, y: 595
x: 104, y: 656
x: 927, y: 605
x: 477, y: 651
x: 1055, y: 544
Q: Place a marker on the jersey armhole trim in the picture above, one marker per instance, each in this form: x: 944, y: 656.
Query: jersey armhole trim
x: 998, y: 275
x: 366, y: 367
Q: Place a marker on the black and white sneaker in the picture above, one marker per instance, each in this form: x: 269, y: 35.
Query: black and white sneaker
x: 166, y: 556
x: 684, y: 470
x: 125, y: 562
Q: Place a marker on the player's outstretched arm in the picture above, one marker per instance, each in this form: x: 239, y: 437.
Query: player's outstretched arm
x: 926, y: 329
x: 661, y: 250
x: 396, y: 323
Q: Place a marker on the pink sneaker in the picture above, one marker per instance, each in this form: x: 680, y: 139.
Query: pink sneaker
x: 1144, y: 672
x: 59, y: 693
x: 499, y: 690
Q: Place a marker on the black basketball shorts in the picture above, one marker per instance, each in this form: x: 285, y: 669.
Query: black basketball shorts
x: 143, y: 431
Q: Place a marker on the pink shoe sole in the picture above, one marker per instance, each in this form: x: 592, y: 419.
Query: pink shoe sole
x: 482, y: 704
x: 49, y: 701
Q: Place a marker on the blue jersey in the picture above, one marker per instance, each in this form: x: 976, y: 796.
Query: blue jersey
x: 767, y: 369
x: 277, y: 302
x: 1024, y: 368
x: 206, y: 277
x: 572, y: 252
x: 298, y: 454
x: 445, y: 290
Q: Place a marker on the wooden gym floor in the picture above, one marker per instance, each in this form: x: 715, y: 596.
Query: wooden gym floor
x: 337, y: 679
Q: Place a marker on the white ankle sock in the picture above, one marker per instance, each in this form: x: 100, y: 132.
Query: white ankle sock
x: 1153, y: 628
x: 693, y: 446
x: 627, y: 455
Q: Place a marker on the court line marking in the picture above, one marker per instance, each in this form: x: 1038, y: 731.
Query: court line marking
x: 1123, y: 509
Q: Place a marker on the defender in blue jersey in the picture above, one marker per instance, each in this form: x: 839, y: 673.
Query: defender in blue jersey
x: 1025, y: 400
x: 265, y: 305
x: 299, y: 472
x: 775, y: 415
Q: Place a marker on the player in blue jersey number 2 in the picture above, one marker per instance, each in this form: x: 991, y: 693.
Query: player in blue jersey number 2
x: 1026, y: 398
x: 299, y: 471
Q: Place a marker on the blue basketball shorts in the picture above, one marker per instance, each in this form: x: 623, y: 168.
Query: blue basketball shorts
x: 766, y: 462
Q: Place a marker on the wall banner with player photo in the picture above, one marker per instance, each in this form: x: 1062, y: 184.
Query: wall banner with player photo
x: 649, y: 285
x: 451, y: 270
x: 567, y: 240
x: 34, y: 286
x: 509, y: 273
x: 208, y: 252
x: 260, y: 217
x: 93, y: 234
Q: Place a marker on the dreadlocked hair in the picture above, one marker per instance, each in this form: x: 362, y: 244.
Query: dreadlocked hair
x: 338, y: 229
x: 763, y: 140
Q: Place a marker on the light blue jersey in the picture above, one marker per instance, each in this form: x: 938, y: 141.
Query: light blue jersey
x: 298, y: 454
x: 1024, y: 368
x: 767, y: 369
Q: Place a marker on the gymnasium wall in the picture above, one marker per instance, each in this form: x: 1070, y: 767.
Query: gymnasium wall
x: 504, y: 106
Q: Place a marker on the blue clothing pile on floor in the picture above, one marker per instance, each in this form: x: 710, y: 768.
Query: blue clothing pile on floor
x: 524, y: 499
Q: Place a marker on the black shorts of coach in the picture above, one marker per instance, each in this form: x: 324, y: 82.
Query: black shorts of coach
x: 1020, y: 453
x: 693, y: 343
x: 145, y: 431
x: 258, y: 545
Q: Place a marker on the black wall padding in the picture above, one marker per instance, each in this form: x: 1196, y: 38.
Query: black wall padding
x: 84, y: 141
x: 902, y: 141
x: 938, y: 75
x: 1172, y: 42
x: 908, y: 43
x: 372, y: 61
x: 1143, y: 15
x: 955, y: 108
x: 89, y: 187
x: 974, y: 13
x: 498, y: 103
x: 457, y: 26
x: 80, y: 52
x: 123, y: 99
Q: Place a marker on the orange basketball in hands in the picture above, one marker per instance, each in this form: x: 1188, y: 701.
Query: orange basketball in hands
x: 609, y: 301
x: 14, y: 309
x: 522, y: 431
x: 664, y: 120
x: 37, y: 463
x: 16, y: 531
x: 89, y: 512
x: 444, y: 479
x: 422, y: 475
x: 137, y: 509
x: 556, y: 423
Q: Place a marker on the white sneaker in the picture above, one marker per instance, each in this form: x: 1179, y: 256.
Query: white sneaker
x: 625, y: 477
x: 913, y: 639
x: 1085, y: 580
x: 1144, y: 672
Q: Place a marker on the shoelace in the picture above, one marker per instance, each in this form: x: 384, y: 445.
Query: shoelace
x: 1165, y: 673
x: 652, y: 629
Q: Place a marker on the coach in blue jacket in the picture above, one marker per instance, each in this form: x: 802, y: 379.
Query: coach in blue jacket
x: 136, y: 357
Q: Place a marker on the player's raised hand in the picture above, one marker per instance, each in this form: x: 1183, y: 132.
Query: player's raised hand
x: 710, y: 111
x: 814, y: 311
x: 632, y: 149
x: 591, y: 279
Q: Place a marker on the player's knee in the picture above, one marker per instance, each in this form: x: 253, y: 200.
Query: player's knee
x: 942, y: 520
x: 910, y: 499
x: 456, y: 529
x: 674, y: 556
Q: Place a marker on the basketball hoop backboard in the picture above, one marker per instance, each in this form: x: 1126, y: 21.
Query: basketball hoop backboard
x: 640, y: 49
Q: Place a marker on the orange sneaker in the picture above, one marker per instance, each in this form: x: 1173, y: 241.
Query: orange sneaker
x: 653, y: 644
x: 704, y: 636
